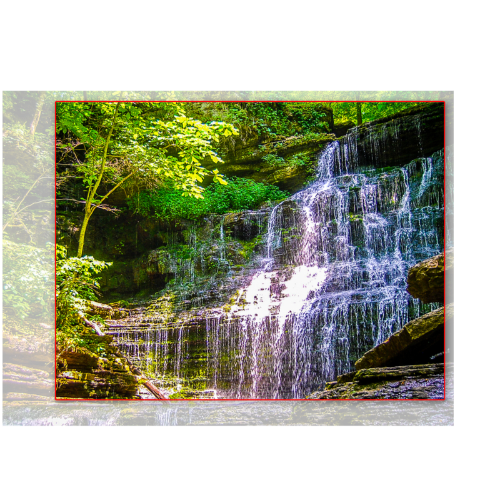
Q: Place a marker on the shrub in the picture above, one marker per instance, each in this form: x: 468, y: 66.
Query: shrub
x: 237, y: 195
x: 76, y: 283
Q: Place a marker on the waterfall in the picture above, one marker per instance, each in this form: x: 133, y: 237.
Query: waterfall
x: 331, y: 281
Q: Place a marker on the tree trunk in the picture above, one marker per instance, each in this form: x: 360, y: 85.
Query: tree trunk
x: 81, y: 238
x: 359, y: 116
x: 38, y: 112
x: 330, y: 119
x: 90, y: 195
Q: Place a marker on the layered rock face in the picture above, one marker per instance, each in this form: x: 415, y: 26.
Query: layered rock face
x: 423, y: 127
x: 28, y: 361
x: 24, y: 383
x: 82, y: 376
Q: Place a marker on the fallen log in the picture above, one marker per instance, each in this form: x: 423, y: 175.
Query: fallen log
x: 98, y: 305
x: 107, y: 311
x: 90, y: 324
x: 157, y: 393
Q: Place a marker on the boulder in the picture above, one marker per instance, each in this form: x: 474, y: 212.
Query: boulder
x: 416, y: 342
x: 426, y: 279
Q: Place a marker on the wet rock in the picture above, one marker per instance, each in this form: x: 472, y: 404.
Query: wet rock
x: 103, y: 384
x: 346, y: 377
x: 22, y: 396
x: 426, y: 279
x: 415, y: 342
x: 245, y: 225
x: 188, y: 393
x: 83, y: 376
x: 341, y: 128
x: 22, y: 379
x: 400, y: 382
x: 391, y: 140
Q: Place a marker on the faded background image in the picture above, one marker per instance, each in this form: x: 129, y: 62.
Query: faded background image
x: 28, y: 286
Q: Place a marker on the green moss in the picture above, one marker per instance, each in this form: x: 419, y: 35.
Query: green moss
x: 355, y: 217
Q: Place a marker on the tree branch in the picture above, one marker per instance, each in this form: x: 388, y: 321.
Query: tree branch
x: 109, y: 192
x: 20, y: 203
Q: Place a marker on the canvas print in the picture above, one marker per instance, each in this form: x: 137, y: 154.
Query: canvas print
x: 250, y: 250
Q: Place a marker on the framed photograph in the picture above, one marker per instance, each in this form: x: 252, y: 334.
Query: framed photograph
x: 251, y: 249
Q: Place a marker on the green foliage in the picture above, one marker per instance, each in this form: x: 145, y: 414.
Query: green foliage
x: 28, y: 278
x: 75, y: 340
x: 76, y: 282
x: 270, y: 119
x: 28, y: 184
x: 148, y: 140
x: 300, y: 159
x: 18, y: 181
x: 273, y: 160
x: 238, y: 194
x: 346, y: 111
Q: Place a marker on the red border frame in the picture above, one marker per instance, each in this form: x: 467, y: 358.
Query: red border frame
x: 311, y: 400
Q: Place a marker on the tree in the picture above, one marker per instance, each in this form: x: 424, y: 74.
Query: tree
x: 36, y: 118
x: 359, y: 111
x: 153, y: 142
x: 359, y: 114
x: 28, y: 168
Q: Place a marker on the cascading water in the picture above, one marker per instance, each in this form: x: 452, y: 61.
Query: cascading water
x: 332, y: 279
